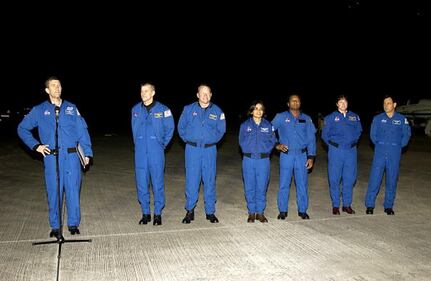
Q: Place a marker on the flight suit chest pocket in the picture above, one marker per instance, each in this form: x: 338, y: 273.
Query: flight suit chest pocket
x: 212, y: 119
x: 67, y: 120
x: 301, y: 123
x: 396, y: 127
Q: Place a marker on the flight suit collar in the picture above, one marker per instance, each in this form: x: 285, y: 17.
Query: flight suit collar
x: 148, y: 107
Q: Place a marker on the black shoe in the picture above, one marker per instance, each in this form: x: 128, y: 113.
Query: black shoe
x: 348, y: 210
x: 145, y: 219
x: 74, y: 230
x: 190, y: 215
x: 157, y: 220
x: 212, y: 218
x: 389, y: 211
x: 335, y: 211
x: 55, y: 233
x: 251, y: 217
x: 303, y: 216
x: 282, y: 215
x: 369, y: 211
x: 261, y: 218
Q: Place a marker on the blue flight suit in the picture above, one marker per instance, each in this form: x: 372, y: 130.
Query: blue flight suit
x: 72, y: 130
x: 298, y: 134
x: 389, y: 136
x: 201, y: 129
x: 256, y: 143
x: 152, y: 128
x: 341, y: 134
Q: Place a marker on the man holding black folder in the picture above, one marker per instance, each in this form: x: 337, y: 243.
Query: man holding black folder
x: 59, y: 122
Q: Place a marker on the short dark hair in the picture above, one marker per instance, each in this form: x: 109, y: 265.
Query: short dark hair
x: 341, y: 97
x: 148, y: 84
x: 50, y: 78
x: 293, y: 95
x: 253, y: 106
x: 389, y: 96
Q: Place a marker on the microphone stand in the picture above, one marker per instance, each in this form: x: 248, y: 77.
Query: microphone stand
x: 60, y: 239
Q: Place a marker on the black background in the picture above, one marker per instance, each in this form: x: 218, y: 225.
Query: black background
x: 243, y: 51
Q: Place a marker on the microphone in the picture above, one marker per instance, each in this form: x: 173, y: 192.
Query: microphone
x: 57, y: 113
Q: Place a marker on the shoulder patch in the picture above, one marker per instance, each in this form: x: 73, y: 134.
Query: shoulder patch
x: 167, y: 113
x: 222, y: 116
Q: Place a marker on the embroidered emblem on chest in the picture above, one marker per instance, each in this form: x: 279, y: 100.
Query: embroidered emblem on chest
x: 213, y: 116
x: 69, y: 110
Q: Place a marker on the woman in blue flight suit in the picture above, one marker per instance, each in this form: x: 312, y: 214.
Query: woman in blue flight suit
x: 257, y: 139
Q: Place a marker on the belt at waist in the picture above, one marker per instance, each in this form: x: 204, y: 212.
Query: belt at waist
x: 337, y: 145
x: 301, y: 150
x: 204, y: 145
x: 388, y: 143
x: 69, y: 150
x: 257, y: 155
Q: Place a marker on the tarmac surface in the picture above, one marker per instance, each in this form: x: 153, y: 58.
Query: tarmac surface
x: 326, y: 247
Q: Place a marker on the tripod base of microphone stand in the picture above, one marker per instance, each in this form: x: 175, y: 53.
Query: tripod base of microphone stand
x: 60, y: 240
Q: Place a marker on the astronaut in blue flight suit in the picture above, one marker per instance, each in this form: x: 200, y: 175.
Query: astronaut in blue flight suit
x: 201, y: 126
x: 390, y: 132
x: 152, y: 128
x: 341, y: 133
x: 257, y: 139
x: 72, y: 130
x: 297, y: 144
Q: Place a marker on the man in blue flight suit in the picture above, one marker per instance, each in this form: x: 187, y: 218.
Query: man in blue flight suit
x: 257, y: 139
x: 297, y: 145
x: 341, y: 133
x: 72, y: 130
x: 152, y: 127
x: 201, y: 126
x: 390, y: 132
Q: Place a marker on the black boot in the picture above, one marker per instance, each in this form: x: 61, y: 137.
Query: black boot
x: 157, y: 220
x: 190, y: 216
x: 212, y: 218
x: 389, y: 211
x: 282, y: 215
x: 55, y: 233
x: 74, y: 230
x: 145, y: 219
x: 303, y: 216
x: 369, y: 211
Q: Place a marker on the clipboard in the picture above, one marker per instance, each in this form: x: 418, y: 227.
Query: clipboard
x: 81, y: 155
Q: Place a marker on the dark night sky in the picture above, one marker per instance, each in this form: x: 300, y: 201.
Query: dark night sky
x: 101, y: 54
